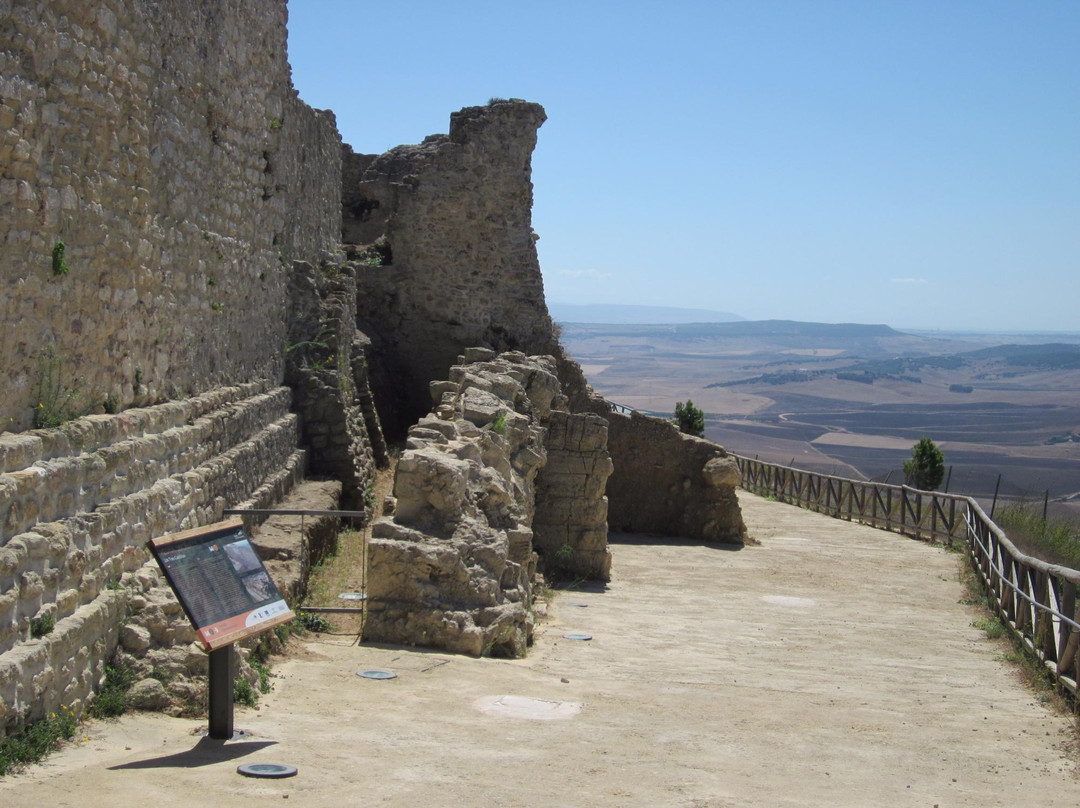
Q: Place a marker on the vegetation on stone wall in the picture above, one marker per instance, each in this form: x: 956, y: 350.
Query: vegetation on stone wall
x: 57, y: 398
x: 59, y: 266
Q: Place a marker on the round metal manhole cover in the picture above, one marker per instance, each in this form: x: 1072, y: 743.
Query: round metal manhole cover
x: 377, y: 674
x: 352, y: 596
x: 266, y: 770
x: 577, y: 635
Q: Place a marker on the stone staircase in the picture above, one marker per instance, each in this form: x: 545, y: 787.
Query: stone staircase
x: 79, y: 503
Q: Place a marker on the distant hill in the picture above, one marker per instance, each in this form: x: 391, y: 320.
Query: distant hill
x: 635, y: 315
x: 1054, y: 355
x: 786, y: 328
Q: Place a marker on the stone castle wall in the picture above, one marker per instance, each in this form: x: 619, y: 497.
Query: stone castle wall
x: 457, y: 213
x: 170, y: 225
x: 163, y: 145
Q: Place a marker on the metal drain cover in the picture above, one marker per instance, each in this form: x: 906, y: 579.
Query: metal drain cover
x: 575, y: 635
x: 377, y: 674
x: 267, y: 770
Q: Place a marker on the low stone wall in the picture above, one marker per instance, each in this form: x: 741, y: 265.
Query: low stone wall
x: 454, y: 567
x: 669, y: 483
x: 78, y: 505
x: 571, y: 523
x: 664, y: 482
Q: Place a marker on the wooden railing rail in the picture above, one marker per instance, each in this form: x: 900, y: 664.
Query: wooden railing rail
x: 927, y: 515
x: 1038, y: 601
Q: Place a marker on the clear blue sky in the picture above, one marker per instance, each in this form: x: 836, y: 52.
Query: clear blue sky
x: 911, y: 163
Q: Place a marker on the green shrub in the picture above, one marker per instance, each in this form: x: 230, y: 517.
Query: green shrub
x: 42, y: 625
x: 689, y: 418
x: 313, y: 622
x: 263, y: 670
x: 244, y: 693
x: 111, y: 699
x: 926, y: 468
x: 32, y: 743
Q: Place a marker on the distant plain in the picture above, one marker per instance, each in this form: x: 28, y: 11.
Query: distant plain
x: 851, y: 399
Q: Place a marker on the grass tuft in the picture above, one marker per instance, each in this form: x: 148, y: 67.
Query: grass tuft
x: 32, y: 743
x: 1056, y: 541
x: 111, y: 700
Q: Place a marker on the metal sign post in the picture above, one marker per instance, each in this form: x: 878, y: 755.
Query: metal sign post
x: 227, y: 595
x: 222, y: 692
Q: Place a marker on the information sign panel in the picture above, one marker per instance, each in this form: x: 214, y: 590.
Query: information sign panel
x: 221, y: 583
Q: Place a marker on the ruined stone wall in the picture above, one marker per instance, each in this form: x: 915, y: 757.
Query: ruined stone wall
x: 163, y: 145
x: 327, y: 366
x: 669, y: 483
x: 78, y: 505
x: 571, y: 523
x: 454, y: 567
x: 457, y: 213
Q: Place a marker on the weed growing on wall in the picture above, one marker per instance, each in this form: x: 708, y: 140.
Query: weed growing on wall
x: 59, y: 265
x: 111, y: 699
x: 42, y: 625
x: 57, y: 399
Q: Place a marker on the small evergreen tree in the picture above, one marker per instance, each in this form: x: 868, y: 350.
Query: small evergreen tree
x: 690, y: 419
x: 926, y: 467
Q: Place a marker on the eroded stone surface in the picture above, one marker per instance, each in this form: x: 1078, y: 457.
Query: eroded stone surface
x: 454, y: 566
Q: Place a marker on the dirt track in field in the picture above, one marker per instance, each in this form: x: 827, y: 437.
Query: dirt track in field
x: 830, y: 666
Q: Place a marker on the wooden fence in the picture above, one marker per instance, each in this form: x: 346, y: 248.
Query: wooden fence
x: 1038, y: 601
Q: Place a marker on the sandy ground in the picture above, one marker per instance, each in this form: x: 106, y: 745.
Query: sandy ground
x: 830, y: 666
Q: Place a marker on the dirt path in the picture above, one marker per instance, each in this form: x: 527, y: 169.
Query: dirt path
x: 830, y: 666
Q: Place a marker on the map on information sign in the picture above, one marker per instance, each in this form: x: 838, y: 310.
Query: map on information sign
x: 221, y: 583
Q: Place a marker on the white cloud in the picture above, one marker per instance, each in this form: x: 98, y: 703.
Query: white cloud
x: 593, y: 274
x: 910, y: 281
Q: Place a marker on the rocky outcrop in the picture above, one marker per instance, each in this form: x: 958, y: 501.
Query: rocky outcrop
x: 454, y: 567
